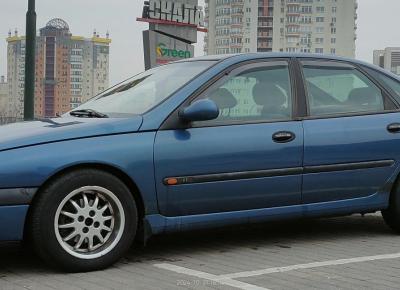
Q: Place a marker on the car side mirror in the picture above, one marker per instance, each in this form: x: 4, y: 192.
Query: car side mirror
x: 201, y: 110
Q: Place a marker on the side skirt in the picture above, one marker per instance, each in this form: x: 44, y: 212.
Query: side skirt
x: 161, y: 224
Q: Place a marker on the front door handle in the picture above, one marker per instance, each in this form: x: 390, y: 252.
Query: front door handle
x: 394, y: 128
x: 283, y: 137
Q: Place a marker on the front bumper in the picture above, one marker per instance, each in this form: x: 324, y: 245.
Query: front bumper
x: 14, y: 204
x: 12, y: 221
x: 16, y: 196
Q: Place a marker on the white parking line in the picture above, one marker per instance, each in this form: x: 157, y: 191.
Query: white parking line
x: 203, y: 275
x: 228, y: 279
x: 310, y: 265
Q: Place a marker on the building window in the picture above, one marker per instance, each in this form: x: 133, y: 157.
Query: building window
x: 305, y: 19
x: 319, y: 50
x: 306, y: 9
x: 319, y: 19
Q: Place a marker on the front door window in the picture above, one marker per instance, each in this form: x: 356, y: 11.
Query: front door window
x: 261, y: 94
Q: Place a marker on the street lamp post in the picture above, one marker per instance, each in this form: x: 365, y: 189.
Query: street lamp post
x: 29, y: 93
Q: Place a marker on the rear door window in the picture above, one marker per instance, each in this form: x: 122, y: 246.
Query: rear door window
x: 340, y: 89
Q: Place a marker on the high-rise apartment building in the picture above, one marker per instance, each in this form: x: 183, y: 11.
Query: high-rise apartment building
x: 69, y: 69
x: 3, y: 96
x: 389, y: 59
x: 308, y: 26
x: 15, y: 75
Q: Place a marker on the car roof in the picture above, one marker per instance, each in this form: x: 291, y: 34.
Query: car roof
x: 260, y: 55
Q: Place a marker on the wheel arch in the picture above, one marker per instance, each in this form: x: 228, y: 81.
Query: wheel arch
x: 123, y: 176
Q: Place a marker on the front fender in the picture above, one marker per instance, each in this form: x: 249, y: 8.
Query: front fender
x: 132, y: 153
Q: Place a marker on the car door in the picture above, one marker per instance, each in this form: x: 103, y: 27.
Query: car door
x: 349, y: 149
x: 250, y: 157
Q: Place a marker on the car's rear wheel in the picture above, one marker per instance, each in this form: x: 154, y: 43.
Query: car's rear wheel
x: 84, y: 220
x: 391, y: 215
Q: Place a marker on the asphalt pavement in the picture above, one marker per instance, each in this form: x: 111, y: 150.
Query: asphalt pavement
x: 337, y: 253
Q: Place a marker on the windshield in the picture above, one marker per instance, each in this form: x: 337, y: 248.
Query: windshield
x: 143, y: 92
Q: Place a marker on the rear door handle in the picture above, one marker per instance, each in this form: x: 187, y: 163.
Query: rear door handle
x: 283, y: 137
x: 394, y: 128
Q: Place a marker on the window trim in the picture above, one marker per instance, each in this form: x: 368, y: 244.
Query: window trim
x: 392, y: 92
x: 390, y: 106
x: 173, y: 122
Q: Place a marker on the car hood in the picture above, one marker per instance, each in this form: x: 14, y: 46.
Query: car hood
x: 66, y: 128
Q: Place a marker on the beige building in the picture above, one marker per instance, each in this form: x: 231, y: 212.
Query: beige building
x: 15, y: 74
x: 308, y: 26
x: 389, y: 59
x: 89, y: 59
x: 69, y: 69
x: 3, y: 96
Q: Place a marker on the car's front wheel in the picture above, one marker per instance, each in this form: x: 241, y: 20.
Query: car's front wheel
x: 84, y: 220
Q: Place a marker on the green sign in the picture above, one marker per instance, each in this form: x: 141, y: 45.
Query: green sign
x: 164, y: 51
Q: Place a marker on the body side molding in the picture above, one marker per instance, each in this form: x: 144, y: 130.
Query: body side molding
x: 173, y: 181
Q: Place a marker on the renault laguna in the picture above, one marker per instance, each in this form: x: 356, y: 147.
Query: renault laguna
x: 200, y: 143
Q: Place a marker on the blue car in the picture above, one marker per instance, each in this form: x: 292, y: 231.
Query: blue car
x: 201, y: 143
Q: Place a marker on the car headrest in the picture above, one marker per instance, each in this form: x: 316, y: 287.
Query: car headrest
x: 267, y: 94
x: 362, y: 96
x: 223, y: 98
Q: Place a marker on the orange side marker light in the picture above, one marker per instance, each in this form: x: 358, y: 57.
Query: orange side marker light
x: 172, y: 181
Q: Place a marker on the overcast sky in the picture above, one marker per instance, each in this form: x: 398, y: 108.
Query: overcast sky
x: 377, y: 27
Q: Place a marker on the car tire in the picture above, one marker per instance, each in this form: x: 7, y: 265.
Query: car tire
x: 391, y: 215
x: 85, y: 220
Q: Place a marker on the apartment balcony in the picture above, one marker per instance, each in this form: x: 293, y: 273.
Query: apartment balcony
x: 236, y: 45
x: 264, y: 35
x: 237, y: 25
x: 237, y: 14
x: 297, y: 5
x: 264, y: 45
x: 236, y: 33
x: 237, y: 3
x: 269, y: 15
x: 261, y: 3
x: 265, y: 24
x: 293, y: 33
x: 50, y: 82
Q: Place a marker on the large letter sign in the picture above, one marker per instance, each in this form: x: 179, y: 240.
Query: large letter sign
x: 173, y: 28
x: 174, y: 11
